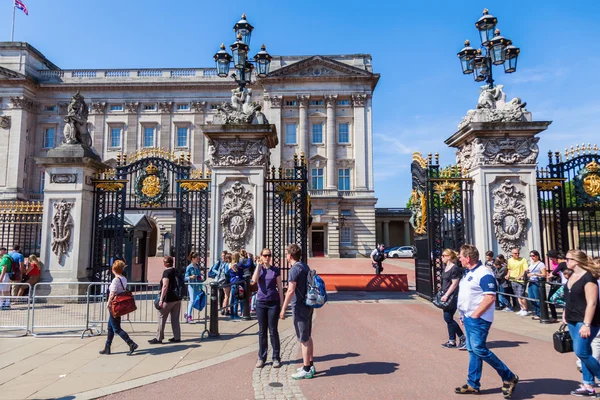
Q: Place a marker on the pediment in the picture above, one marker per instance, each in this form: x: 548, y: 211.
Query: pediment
x: 318, y: 67
x: 6, y: 73
x: 317, y: 115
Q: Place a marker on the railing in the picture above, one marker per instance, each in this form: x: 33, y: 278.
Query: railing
x: 340, y: 193
x: 50, y: 76
x: 14, y: 311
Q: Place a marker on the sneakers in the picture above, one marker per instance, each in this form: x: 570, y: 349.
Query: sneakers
x: 466, y: 389
x: 507, y: 309
x: 173, y: 340
x: 462, y: 343
x: 188, y: 318
x: 449, y: 345
x: 583, y: 392
x: 508, y: 387
x: 260, y: 363
x: 154, y: 341
x: 132, y: 347
x: 277, y: 364
x: 523, y: 313
x: 312, y: 369
x: 302, y: 374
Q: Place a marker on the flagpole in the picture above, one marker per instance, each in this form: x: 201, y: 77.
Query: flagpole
x: 12, y: 31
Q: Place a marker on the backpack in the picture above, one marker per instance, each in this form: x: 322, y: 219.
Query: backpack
x: 15, y: 271
x: 316, y: 293
x: 11, y: 272
x: 178, y: 289
x: 200, y: 301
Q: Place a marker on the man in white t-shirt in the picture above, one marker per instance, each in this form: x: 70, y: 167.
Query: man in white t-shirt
x: 476, y: 299
x: 377, y: 257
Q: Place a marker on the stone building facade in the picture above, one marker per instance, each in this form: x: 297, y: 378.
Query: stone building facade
x: 321, y: 106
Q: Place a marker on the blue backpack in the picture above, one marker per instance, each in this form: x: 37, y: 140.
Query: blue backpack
x: 200, y: 301
x: 316, y: 293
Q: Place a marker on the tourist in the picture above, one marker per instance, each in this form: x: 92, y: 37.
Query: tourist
x: 169, y: 304
x: 5, y: 268
x: 223, y: 276
x: 500, y: 275
x: 269, y: 299
x: 516, y: 270
x: 118, y: 285
x: 489, y: 260
x: 476, y: 298
x: 377, y: 257
x: 19, y: 270
x: 557, y: 278
x: 536, y: 270
x: 450, y: 278
x: 235, y: 278
x: 193, y: 277
x: 302, y: 314
x: 32, y: 274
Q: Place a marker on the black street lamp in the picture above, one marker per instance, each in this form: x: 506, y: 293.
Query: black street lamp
x: 498, y: 50
x: 341, y: 221
x: 240, y: 49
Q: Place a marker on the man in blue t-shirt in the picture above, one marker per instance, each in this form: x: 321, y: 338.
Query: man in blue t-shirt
x: 20, y: 262
x: 476, y: 299
x: 296, y: 295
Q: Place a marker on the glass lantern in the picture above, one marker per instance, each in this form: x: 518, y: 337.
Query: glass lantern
x: 497, y: 47
x: 480, y: 67
x: 263, y: 61
x: 512, y: 54
x: 240, y: 53
x: 243, y: 29
x: 486, y: 25
x: 222, y: 58
x: 466, y: 56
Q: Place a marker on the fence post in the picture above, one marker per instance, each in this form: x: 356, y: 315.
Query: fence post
x: 543, y: 305
x: 246, y: 315
x: 213, y: 330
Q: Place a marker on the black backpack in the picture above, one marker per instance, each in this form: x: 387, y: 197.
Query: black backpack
x: 178, y: 289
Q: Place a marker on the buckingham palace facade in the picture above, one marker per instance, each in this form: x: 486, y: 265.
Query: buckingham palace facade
x: 321, y: 106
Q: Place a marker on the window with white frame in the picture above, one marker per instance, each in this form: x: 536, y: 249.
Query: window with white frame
x: 115, y: 137
x: 149, y: 107
x: 344, y: 133
x: 318, y: 211
x: 316, y: 102
x: 182, y: 136
x: 317, y: 133
x: 148, y: 139
x: 183, y: 107
x: 344, y: 102
x: 49, y: 138
x: 50, y: 108
x: 290, y: 133
x: 346, y: 236
x: 116, y: 107
x: 344, y: 179
x: 42, y: 181
x: 291, y: 103
x: 316, y: 181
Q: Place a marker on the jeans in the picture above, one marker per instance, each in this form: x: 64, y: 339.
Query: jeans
x: 553, y: 289
x: 234, y: 302
x: 267, y: 313
x: 533, y: 291
x: 504, y: 301
x: 454, y: 330
x: 114, y: 326
x: 477, y: 330
x: 590, y: 367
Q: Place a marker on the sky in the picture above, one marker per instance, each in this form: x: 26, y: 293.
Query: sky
x: 422, y: 94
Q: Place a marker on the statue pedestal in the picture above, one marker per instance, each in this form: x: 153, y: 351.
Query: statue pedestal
x: 501, y: 159
x: 239, y: 158
x: 68, y: 173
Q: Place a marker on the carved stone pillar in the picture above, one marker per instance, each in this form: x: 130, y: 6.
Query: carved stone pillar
x: 164, y: 134
x: 98, y: 134
x: 386, y: 233
x: 407, y: 241
x: 304, y: 140
x: 275, y: 118
x: 360, y: 140
x: 197, y: 140
x: 131, y: 130
x: 331, y: 141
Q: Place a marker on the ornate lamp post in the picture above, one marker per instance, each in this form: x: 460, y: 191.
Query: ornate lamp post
x: 342, y: 221
x: 240, y: 49
x: 497, y: 50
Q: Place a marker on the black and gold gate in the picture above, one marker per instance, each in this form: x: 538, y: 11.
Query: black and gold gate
x: 440, y: 202
x: 569, y: 200
x: 150, y: 181
x: 287, y: 214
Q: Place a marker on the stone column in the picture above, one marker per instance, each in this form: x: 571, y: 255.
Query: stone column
x: 99, y: 136
x: 360, y: 142
x: 331, y: 141
x: 131, y: 130
x: 164, y: 133
x: 386, y: 233
x: 196, y: 139
x: 275, y: 119
x: 406, y: 233
x: 303, y: 141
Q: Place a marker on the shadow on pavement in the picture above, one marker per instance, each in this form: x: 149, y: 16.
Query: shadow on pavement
x: 500, y: 344
x: 531, y: 388
x: 352, y: 296
x: 368, y: 368
x: 163, y: 349
x: 327, y: 357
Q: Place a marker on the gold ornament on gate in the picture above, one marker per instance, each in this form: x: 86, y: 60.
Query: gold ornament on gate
x: 591, y: 183
x: 151, y: 184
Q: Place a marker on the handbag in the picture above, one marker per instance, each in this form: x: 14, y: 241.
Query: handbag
x: 437, y: 300
x: 156, y: 302
x: 123, y: 303
x: 563, y: 343
x: 200, y: 301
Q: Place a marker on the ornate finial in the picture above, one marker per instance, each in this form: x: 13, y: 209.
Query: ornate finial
x: 592, y: 167
x: 302, y: 158
x: 467, y: 43
x: 497, y: 32
x: 478, y: 52
x: 244, y: 16
x: 151, y: 169
x: 485, y: 11
x: 263, y: 47
x: 429, y: 158
x: 595, y: 149
x: 222, y: 46
x: 239, y: 36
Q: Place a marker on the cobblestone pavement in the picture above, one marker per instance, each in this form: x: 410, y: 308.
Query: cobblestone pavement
x: 277, y: 384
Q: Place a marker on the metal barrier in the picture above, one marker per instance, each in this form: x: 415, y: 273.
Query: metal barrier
x: 60, y: 308
x: 542, y: 300
x: 14, y: 311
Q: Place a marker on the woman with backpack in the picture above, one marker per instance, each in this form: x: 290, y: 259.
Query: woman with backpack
x: 193, y: 278
x: 268, y: 306
x: 235, y: 277
x: 222, y: 278
x: 169, y: 304
x: 451, y: 276
x: 117, y: 286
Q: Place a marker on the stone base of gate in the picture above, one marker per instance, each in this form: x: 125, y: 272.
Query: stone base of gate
x: 366, y: 282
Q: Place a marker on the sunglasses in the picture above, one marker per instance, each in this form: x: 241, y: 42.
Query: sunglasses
x: 266, y: 255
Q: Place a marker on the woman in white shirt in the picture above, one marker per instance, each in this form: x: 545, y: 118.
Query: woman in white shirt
x: 118, y: 285
x: 536, y: 270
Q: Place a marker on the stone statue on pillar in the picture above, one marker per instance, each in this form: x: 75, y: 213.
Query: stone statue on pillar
x: 76, y: 130
x: 492, y: 107
x: 241, y: 110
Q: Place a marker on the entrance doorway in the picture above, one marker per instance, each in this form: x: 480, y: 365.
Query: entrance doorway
x: 318, y: 243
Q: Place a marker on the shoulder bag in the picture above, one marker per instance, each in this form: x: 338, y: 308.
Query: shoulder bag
x: 563, y: 343
x: 437, y: 300
x: 123, y: 303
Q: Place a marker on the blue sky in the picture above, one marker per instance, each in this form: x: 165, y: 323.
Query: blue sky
x: 422, y: 94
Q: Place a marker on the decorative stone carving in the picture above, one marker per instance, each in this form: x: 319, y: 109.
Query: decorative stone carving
x: 5, y: 121
x: 510, y: 216
x: 132, y: 107
x: 22, y: 102
x: 62, y: 108
x: 331, y: 100
x: 318, y: 71
x: 358, y: 100
x: 501, y: 151
x: 317, y: 66
x: 99, y: 108
x: 276, y: 101
x: 237, y: 152
x: 303, y: 100
x: 151, y: 186
x: 241, y: 110
x: 62, y: 226
x: 344, y: 163
x: 237, y: 218
x: 165, y: 106
x: 63, y: 178
x: 76, y: 130
x: 199, y: 106
x: 492, y: 107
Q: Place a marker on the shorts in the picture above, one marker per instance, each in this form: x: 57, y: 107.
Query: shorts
x: 5, y: 284
x: 303, y: 325
x: 518, y: 288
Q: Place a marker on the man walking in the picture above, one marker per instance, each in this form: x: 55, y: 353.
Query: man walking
x: 476, y: 298
x: 19, y: 262
x: 377, y: 257
x: 296, y: 294
x: 5, y: 269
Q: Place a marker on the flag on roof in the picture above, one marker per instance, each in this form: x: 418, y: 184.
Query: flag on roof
x: 21, y: 6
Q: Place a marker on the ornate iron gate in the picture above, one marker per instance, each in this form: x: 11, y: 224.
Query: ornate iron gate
x: 287, y: 212
x: 149, y: 180
x: 21, y: 224
x: 440, y: 201
x: 569, y: 201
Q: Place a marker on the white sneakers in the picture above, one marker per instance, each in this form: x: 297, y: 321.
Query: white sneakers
x: 523, y: 313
